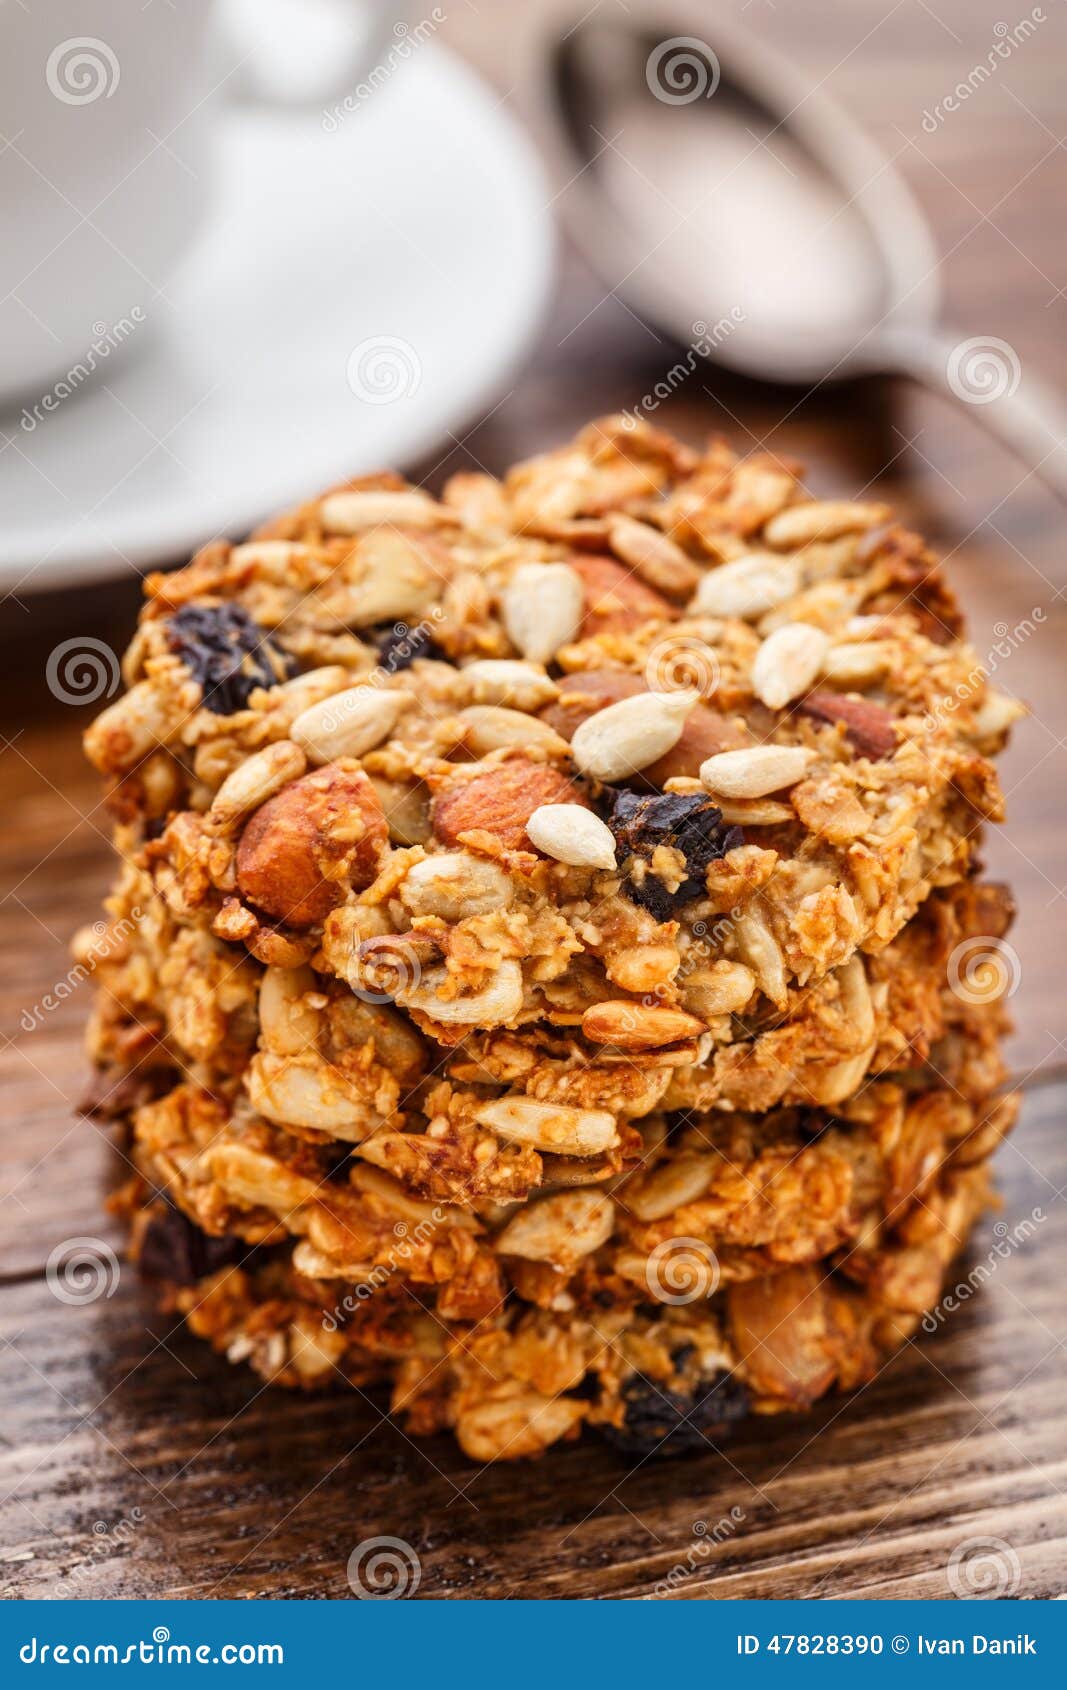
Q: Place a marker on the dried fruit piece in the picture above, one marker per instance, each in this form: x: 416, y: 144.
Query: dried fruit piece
x: 867, y: 725
x: 305, y: 847
x: 228, y: 653
x: 663, y: 1422
x: 175, y: 1249
x: 500, y: 801
x: 690, y: 825
x: 398, y: 647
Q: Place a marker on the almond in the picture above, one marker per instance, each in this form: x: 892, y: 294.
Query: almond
x: 867, y: 725
x: 616, y: 599
x: 301, y: 850
x: 500, y: 801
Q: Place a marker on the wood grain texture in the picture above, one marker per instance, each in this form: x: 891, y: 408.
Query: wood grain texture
x: 134, y: 1463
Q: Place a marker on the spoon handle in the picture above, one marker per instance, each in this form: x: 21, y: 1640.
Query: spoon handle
x: 987, y: 376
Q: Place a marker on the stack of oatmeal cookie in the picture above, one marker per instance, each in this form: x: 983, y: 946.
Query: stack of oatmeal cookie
x: 549, y: 973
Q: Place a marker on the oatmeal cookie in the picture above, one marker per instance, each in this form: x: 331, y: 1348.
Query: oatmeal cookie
x: 516, y: 883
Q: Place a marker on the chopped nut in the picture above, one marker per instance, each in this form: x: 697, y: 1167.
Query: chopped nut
x: 542, y: 608
x: 856, y: 664
x: 821, y: 519
x: 755, y: 772
x: 572, y: 834
x: 304, y: 847
x: 684, y: 1179
x: 616, y: 599
x: 628, y: 736
x: 352, y: 512
x: 550, y: 1126
x: 349, y: 723
x: 490, y: 727
x: 256, y: 780
x: 657, y: 559
x: 787, y: 663
x: 638, y: 1026
x: 455, y: 885
x: 522, y: 686
x: 748, y: 586
x: 560, y: 1229
x: 494, y: 1006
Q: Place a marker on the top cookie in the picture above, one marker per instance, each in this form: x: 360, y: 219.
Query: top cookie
x: 634, y: 743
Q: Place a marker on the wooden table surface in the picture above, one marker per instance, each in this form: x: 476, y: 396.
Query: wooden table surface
x: 133, y: 1463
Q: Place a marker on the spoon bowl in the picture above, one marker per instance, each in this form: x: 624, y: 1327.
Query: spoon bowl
x: 737, y: 207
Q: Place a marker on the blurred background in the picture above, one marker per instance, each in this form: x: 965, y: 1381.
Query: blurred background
x: 249, y: 249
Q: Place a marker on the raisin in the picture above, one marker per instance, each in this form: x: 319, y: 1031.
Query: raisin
x: 399, y: 647
x: 690, y: 824
x: 228, y: 653
x: 174, y: 1248
x: 662, y: 1422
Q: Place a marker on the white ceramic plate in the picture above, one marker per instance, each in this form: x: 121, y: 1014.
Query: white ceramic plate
x: 360, y: 294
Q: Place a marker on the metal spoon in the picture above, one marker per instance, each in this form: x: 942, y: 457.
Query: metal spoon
x: 747, y: 215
